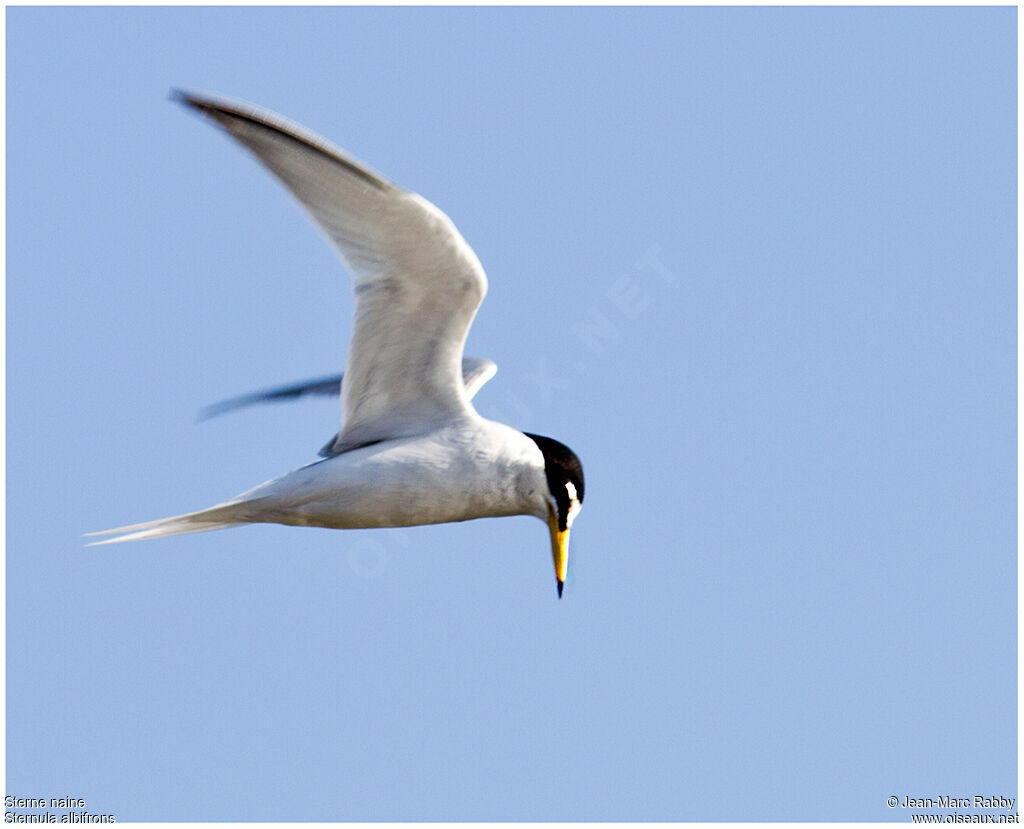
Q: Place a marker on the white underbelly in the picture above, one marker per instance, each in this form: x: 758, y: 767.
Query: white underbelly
x: 402, y: 484
x: 355, y: 507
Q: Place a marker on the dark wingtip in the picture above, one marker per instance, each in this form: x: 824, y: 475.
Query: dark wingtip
x: 208, y: 412
x: 224, y: 406
x: 191, y: 100
x: 179, y: 96
x: 561, y: 584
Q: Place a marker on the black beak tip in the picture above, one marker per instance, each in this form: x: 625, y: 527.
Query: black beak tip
x: 561, y: 584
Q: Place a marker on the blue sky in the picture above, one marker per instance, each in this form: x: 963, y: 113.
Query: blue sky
x: 756, y: 266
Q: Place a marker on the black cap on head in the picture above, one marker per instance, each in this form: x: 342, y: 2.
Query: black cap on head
x: 564, y: 473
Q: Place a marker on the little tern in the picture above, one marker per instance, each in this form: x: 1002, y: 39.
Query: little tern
x: 411, y: 449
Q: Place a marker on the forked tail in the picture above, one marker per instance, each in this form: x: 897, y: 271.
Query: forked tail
x: 214, y: 518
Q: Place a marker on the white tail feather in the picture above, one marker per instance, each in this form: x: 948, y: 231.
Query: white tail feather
x: 214, y: 518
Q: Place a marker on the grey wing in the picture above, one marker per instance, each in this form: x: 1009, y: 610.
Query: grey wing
x: 417, y: 283
x: 323, y: 386
x: 475, y: 373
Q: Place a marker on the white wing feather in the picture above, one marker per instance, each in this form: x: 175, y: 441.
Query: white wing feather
x: 418, y: 284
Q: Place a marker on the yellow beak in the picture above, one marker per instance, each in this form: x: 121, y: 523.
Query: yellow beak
x: 559, y: 551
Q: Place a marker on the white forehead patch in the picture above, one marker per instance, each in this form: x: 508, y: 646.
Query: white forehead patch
x: 574, y: 504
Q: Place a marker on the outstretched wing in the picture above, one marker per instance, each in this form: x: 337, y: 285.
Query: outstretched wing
x: 322, y: 386
x: 475, y: 372
x: 418, y: 284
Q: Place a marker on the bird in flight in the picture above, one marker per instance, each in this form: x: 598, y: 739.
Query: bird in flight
x: 411, y: 449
